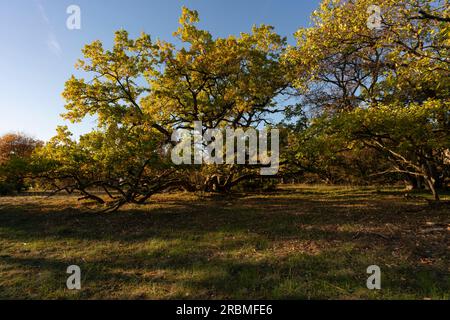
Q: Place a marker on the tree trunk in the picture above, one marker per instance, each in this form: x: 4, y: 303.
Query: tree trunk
x: 432, y: 186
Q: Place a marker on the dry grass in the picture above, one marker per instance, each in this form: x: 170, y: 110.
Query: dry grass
x: 301, y: 242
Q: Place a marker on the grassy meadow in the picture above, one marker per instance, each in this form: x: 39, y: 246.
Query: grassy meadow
x: 300, y: 242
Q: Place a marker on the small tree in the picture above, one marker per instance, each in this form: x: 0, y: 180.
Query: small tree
x: 15, y: 155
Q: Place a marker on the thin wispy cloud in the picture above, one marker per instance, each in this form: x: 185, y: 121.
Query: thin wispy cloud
x: 43, y: 13
x: 52, y: 42
x: 54, y: 45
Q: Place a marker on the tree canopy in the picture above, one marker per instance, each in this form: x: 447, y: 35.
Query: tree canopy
x: 359, y: 91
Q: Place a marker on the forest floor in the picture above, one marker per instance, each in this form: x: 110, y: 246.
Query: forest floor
x: 301, y: 242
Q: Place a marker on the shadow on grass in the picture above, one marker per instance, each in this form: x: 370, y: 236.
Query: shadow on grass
x: 324, y: 276
x: 286, y: 245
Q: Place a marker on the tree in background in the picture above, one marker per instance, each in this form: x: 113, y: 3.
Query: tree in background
x: 395, y: 77
x: 15, y: 153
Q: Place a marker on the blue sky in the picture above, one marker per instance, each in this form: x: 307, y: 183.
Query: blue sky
x: 38, y: 52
